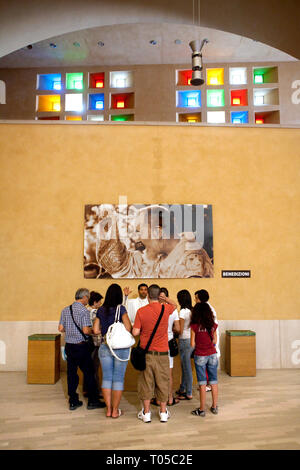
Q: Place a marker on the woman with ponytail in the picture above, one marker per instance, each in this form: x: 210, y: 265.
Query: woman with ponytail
x: 203, y: 339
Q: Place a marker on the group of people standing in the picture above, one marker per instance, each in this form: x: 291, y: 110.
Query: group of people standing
x: 195, y: 326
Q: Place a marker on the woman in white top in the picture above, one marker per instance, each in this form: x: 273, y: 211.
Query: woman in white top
x: 185, y: 391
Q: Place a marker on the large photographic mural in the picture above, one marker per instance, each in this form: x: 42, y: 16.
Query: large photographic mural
x: 148, y: 241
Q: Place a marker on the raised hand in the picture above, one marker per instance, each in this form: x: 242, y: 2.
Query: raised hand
x: 127, y: 291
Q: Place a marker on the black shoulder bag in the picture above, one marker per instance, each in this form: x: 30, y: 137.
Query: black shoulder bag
x: 138, y: 354
x: 87, y: 338
x: 173, y: 347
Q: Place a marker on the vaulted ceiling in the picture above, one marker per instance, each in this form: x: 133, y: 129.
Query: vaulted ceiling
x: 237, y: 30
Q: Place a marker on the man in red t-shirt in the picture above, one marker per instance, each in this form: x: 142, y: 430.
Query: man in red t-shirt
x: 156, y: 375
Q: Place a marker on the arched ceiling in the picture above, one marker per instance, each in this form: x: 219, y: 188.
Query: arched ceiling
x: 272, y: 22
x: 131, y: 45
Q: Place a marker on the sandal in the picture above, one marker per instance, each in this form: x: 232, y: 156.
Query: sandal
x: 198, y: 412
x: 174, y: 402
x: 120, y: 414
x: 214, y: 410
x: 184, y: 396
x: 154, y: 402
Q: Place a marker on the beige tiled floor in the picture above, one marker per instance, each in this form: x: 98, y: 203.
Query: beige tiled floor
x: 261, y: 412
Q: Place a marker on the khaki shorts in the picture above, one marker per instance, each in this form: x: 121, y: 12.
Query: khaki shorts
x: 154, y: 380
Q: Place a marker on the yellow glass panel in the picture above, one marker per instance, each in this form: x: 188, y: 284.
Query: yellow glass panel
x: 48, y: 103
x: 215, y: 76
x: 73, y: 118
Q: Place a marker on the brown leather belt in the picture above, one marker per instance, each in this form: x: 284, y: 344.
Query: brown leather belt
x: 158, y: 353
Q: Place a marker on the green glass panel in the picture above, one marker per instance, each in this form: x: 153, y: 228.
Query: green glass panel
x: 74, y: 81
x: 258, y: 78
x: 259, y: 75
x: 215, y: 98
x: 122, y: 117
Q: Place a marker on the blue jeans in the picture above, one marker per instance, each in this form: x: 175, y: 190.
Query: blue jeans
x: 113, y: 371
x: 186, y: 366
x: 209, y: 363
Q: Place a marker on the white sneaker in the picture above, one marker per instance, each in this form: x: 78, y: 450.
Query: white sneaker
x: 164, y: 416
x: 145, y: 417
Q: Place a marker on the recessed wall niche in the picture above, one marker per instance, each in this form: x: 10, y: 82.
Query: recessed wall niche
x: 121, y: 79
x: 228, y: 87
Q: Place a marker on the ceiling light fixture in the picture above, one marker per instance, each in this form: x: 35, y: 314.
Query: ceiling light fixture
x: 197, y: 47
x: 197, y: 65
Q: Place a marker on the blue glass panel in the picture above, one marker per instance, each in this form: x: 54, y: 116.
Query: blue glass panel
x: 96, y: 101
x: 240, y: 117
x: 49, y: 81
x: 189, y: 99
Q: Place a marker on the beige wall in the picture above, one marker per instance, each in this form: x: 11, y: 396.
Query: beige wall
x: 277, y: 342
x: 249, y: 175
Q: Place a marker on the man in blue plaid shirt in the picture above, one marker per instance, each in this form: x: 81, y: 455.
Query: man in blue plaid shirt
x: 77, y: 351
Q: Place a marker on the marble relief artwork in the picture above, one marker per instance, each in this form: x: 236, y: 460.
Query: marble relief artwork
x: 142, y: 241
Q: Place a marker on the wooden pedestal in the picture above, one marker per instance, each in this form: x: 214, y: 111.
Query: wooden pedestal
x: 240, y: 359
x: 43, y: 363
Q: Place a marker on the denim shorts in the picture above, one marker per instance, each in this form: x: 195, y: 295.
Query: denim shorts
x: 209, y: 363
x: 113, y: 371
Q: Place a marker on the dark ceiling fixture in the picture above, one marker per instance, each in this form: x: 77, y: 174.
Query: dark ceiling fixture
x: 197, y: 65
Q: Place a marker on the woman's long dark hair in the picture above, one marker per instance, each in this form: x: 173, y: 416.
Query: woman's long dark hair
x: 113, y: 297
x: 202, y: 315
x: 184, y: 298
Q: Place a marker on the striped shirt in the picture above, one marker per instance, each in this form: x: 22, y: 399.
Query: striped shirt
x: 82, y: 318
